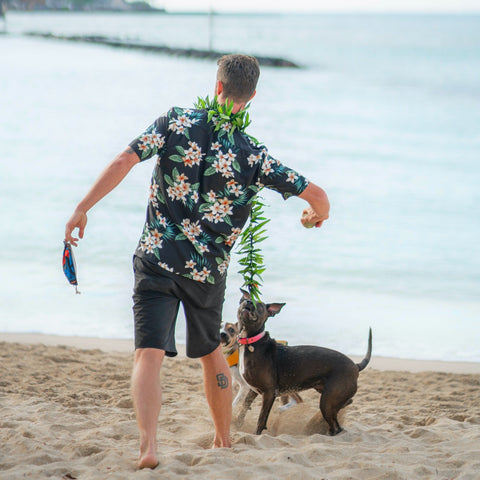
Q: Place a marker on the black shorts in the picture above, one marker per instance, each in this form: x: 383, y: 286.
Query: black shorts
x: 156, y: 299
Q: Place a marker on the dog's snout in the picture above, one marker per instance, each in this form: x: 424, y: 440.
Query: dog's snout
x: 224, y: 337
x: 249, y: 306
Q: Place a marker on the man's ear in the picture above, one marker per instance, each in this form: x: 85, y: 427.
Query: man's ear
x: 218, y: 87
x: 274, y: 308
x: 252, y: 95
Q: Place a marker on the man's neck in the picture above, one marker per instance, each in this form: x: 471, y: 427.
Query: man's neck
x: 236, y: 106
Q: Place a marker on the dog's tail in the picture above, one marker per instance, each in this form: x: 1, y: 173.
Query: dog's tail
x: 365, y: 361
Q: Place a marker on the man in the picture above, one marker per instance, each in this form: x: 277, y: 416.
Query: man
x: 208, y: 170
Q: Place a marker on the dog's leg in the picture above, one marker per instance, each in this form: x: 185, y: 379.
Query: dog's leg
x: 268, y: 399
x: 243, y: 387
x: 331, y: 402
x: 242, y: 394
x: 329, y: 413
x: 251, y: 395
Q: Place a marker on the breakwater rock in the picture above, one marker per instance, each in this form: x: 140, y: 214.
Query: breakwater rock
x: 181, y: 52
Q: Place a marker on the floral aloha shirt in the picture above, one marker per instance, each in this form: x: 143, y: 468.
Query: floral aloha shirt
x: 201, y: 191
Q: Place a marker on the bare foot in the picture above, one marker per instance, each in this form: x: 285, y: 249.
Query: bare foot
x: 148, y: 460
x: 220, y: 444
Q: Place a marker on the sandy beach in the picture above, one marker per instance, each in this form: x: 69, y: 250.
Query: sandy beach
x: 66, y: 413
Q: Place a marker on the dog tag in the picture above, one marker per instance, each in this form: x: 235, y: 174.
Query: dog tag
x: 252, y: 349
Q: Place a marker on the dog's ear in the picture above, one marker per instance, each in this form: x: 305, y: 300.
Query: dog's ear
x: 246, y: 295
x: 274, y: 308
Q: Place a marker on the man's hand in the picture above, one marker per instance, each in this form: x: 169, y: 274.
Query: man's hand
x: 310, y: 219
x: 77, y: 220
x: 318, y: 210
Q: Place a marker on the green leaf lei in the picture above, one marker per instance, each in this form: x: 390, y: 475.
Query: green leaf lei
x: 252, y: 259
x: 221, y: 115
x: 255, y: 232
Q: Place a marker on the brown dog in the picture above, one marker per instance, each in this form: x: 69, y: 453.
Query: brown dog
x: 272, y: 369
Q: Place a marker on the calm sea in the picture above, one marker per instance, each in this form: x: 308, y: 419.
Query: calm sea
x: 384, y: 114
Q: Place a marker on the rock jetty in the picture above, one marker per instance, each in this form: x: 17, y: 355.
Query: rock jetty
x: 181, y: 52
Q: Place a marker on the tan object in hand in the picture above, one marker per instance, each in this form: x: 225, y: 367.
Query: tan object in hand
x: 306, y: 213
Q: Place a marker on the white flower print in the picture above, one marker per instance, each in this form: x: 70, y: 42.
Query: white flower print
x: 292, y: 176
x: 198, y: 275
x: 151, y: 140
x: 151, y: 240
x: 202, y: 248
x: 162, y: 219
x: 211, y: 196
x: 193, y: 156
x: 222, y: 268
x: 178, y: 125
x: 190, y: 264
x: 267, y: 166
x: 165, y: 267
x: 145, y: 138
x: 180, y: 189
x: 232, y: 238
x: 191, y: 230
x: 223, y: 163
x: 235, y: 188
x: 152, y: 197
x: 157, y: 140
x: 156, y: 238
x: 226, y: 127
x: 253, y: 159
x: 219, y: 210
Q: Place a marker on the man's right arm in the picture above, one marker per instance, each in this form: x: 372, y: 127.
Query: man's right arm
x: 113, y: 174
x: 319, y: 205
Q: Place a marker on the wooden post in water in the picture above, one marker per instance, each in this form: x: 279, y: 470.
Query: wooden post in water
x: 210, y: 28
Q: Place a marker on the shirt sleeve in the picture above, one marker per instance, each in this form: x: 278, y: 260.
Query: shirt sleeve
x: 152, y: 141
x: 284, y: 180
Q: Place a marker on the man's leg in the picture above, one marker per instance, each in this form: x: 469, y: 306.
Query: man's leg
x: 218, y: 390
x: 147, y: 401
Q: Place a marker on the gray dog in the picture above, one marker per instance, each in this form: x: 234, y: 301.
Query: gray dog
x: 272, y: 369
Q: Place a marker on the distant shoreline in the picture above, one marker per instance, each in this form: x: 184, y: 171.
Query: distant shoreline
x: 259, y: 14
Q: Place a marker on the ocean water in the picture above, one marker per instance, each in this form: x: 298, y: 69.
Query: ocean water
x: 384, y: 114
